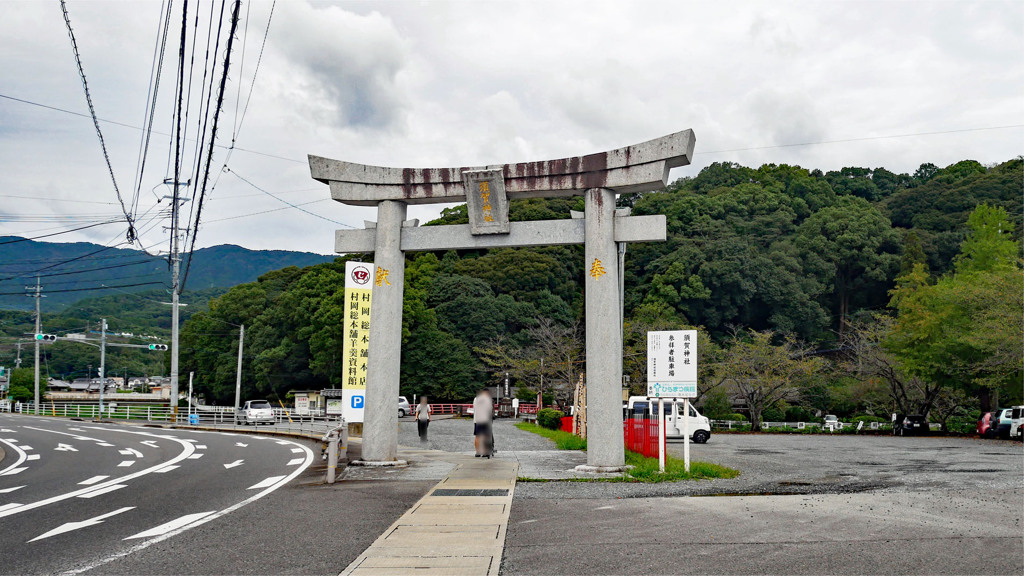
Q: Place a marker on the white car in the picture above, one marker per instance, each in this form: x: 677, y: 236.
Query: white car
x: 254, y: 412
x: 403, y: 407
x: 1017, y: 422
x: 699, y: 426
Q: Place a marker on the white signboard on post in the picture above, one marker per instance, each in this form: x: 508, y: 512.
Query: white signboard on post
x: 672, y: 364
x: 302, y: 405
x: 356, y: 343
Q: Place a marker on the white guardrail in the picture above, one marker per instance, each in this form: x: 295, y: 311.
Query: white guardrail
x: 218, y: 416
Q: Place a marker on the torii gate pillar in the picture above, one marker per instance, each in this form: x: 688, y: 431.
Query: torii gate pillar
x: 486, y: 190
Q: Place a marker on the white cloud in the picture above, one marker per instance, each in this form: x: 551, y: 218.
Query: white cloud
x: 467, y: 83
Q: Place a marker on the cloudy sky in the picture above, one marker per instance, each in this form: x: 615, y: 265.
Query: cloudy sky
x: 424, y: 84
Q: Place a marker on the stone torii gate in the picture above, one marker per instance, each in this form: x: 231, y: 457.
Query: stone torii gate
x: 486, y: 191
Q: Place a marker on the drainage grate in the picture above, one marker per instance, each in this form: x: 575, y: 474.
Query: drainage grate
x: 464, y: 492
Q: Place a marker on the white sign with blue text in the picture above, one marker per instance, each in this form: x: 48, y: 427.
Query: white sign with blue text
x: 672, y: 364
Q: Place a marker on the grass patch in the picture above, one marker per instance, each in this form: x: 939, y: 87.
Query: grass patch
x: 643, y: 469
x: 563, y: 440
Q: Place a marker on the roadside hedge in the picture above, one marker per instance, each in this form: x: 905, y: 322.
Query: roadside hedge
x: 550, y: 418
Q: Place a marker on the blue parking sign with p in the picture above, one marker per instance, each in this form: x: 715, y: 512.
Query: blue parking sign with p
x: 357, y: 402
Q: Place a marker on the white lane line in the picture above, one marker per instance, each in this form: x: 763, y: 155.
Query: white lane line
x: 26, y: 448
x: 295, y: 462
x: 191, y: 441
x: 266, y: 483
x: 150, y: 443
x: 172, y: 525
x: 130, y: 452
x: 75, y: 436
x: 156, y: 540
x: 32, y: 457
x: 126, y: 463
x: 166, y: 469
x: 10, y: 506
x: 240, y: 445
x: 13, y: 471
x: 195, y: 457
x: 92, y: 480
x: 296, y: 450
x: 96, y: 493
x: 11, y: 440
x: 200, y: 446
x: 83, y: 524
x: 6, y: 431
x: 75, y: 429
x: 13, y: 468
x: 65, y: 448
x: 235, y: 463
x: 9, y: 490
x: 103, y: 444
x: 187, y: 450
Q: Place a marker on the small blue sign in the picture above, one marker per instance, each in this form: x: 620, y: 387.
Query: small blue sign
x: 357, y: 402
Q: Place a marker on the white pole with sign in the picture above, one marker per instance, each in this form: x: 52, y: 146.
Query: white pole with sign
x: 355, y: 346
x: 672, y: 373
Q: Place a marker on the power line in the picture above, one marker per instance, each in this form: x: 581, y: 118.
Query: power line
x: 16, y: 240
x: 269, y: 211
x: 133, y: 127
x: 87, y: 269
x: 85, y: 289
x: 239, y: 176
x: 51, y: 199
x: 130, y: 235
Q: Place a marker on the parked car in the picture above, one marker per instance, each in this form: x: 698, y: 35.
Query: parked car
x: 985, y: 428
x: 254, y: 412
x: 699, y: 426
x: 1017, y: 422
x: 909, y: 425
x: 831, y: 422
x: 403, y: 407
x: 1002, y: 421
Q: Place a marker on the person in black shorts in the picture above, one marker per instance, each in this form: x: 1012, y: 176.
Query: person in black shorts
x: 483, y: 413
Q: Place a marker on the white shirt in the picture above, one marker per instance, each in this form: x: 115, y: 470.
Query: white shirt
x: 483, y: 410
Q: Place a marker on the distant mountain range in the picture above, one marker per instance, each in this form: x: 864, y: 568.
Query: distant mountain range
x: 70, y: 272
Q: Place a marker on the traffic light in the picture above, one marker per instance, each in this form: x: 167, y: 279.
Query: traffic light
x: 46, y: 337
x: 158, y: 346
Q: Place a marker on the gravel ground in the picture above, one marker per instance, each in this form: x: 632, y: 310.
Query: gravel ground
x: 456, y: 435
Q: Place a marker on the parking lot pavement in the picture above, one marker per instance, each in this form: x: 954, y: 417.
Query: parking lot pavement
x: 802, y: 505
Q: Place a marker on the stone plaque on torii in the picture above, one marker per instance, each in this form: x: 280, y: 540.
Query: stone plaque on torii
x: 486, y: 190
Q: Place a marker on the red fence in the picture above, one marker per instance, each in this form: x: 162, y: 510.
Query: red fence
x: 641, y: 436
x: 447, y: 408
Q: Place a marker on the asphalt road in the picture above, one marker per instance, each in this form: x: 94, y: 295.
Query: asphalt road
x: 803, y: 505
x: 82, y: 495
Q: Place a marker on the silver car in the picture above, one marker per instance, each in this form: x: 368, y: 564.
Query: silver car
x: 254, y: 412
x: 403, y: 407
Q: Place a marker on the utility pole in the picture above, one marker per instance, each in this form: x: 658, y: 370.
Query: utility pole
x: 17, y: 361
x: 103, y: 361
x: 175, y: 290
x: 35, y: 405
x: 238, y: 372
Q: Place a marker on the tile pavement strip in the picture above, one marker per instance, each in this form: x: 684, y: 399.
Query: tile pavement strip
x: 458, y: 528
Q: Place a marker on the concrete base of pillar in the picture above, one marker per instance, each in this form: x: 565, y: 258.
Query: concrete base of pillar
x: 380, y: 463
x: 602, y: 469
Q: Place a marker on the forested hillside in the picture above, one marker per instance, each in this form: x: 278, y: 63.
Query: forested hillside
x: 777, y: 256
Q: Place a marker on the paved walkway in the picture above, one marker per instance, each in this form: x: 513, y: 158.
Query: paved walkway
x: 458, y: 528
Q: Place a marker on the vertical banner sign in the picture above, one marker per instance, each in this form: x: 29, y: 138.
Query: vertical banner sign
x: 486, y: 201
x: 356, y: 343
x: 672, y: 364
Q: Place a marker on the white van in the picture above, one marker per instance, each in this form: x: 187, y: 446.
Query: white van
x: 700, y: 426
x: 1017, y: 422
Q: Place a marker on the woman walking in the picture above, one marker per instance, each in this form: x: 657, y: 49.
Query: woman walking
x: 423, y: 411
x: 483, y: 412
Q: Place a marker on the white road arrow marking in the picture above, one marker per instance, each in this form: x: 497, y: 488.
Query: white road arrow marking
x: 103, y: 444
x: 239, y: 444
x: 130, y: 452
x: 13, y: 471
x: 150, y: 443
x: 9, y: 490
x: 296, y: 450
x: 32, y: 457
x: 92, y: 480
x: 195, y: 456
x: 233, y: 464
x: 65, y: 448
x: 75, y: 429
x: 83, y: 524
x: 296, y: 461
x: 172, y: 525
x: 200, y: 446
x: 10, y: 506
x: 25, y: 447
x: 266, y: 483
x: 283, y: 442
x: 103, y: 490
x: 126, y: 463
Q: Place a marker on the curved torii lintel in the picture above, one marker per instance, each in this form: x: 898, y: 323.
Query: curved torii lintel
x: 637, y: 168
